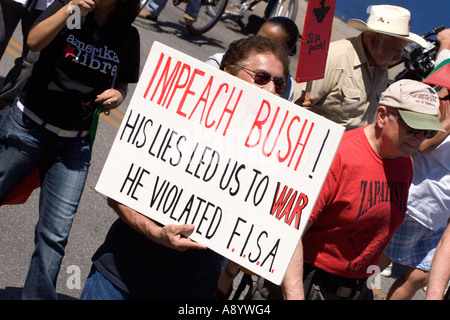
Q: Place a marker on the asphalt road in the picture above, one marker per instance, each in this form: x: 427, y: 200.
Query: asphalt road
x: 94, y: 217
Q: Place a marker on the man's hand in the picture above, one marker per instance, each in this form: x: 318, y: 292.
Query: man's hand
x: 305, y: 100
x: 176, y: 237
x: 171, y: 235
x: 444, y: 39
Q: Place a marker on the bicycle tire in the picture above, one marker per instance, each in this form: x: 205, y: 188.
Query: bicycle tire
x: 209, y: 14
x: 285, y: 8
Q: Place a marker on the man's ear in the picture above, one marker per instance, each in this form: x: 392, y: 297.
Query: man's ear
x: 382, y: 113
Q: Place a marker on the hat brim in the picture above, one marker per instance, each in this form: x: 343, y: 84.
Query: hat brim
x: 421, y: 121
x: 361, y: 25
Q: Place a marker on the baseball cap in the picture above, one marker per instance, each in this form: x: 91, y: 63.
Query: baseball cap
x: 417, y: 103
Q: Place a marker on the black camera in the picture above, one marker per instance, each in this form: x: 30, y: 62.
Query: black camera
x: 419, y: 61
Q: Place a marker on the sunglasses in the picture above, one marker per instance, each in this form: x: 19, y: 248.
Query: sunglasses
x: 447, y: 97
x: 428, y: 134
x: 261, y: 77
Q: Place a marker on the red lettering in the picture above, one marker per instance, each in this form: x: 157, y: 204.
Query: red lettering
x: 302, y: 202
x: 203, y: 98
x: 154, y: 74
x: 258, y: 124
x: 280, y: 202
x: 267, y: 154
x: 223, y: 85
x: 188, y: 91
x: 179, y: 85
x: 282, y: 206
x: 261, y: 121
x: 282, y: 159
x: 168, y: 83
x: 229, y: 111
x: 301, y: 144
x: 169, y: 76
x: 288, y: 207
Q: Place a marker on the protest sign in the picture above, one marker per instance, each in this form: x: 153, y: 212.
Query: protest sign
x: 198, y: 145
x: 316, y: 40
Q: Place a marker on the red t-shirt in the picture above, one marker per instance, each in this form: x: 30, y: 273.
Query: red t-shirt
x: 362, y: 203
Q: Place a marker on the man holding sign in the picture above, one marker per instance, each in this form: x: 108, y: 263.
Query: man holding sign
x: 356, y: 70
x: 142, y: 259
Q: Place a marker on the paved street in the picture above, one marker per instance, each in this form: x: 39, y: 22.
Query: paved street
x: 94, y: 217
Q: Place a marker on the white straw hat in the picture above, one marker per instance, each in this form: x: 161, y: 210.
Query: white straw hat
x: 390, y: 20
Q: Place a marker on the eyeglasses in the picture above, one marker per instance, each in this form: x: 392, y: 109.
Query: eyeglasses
x: 447, y: 97
x: 428, y: 134
x: 261, y: 77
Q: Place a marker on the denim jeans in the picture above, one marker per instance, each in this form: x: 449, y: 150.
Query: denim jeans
x: 63, y: 166
x: 97, y: 287
x: 11, y: 14
x: 192, y: 8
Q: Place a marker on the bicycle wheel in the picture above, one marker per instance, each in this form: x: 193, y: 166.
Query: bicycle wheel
x: 285, y: 8
x: 209, y: 14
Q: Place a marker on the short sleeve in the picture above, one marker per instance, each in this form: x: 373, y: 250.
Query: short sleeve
x: 129, y: 69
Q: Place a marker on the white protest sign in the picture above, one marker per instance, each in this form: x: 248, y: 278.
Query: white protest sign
x: 200, y: 146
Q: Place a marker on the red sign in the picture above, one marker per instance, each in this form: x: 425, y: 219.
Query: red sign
x: 315, y: 40
x: 439, y: 76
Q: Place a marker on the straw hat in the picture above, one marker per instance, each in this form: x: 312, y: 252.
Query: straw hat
x: 390, y: 20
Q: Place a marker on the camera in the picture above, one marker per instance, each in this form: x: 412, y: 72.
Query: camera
x: 419, y: 61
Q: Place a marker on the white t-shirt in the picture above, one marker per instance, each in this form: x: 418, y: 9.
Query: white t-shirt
x: 429, y: 194
x: 443, y: 55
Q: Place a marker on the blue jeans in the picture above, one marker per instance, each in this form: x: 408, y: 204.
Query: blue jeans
x: 63, y: 165
x: 97, y: 287
x: 192, y: 8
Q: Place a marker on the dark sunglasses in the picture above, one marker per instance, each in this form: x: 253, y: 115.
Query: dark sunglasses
x: 261, y: 77
x: 428, y: 134
x: 447, y: 97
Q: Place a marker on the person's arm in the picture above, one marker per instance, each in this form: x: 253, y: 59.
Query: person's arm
x: 444, y: 40
x: 172, y: 236
x: 292, y: 284
x: 225, y: 283
x: 306, y: 94
x: 45, y: 31
x: 439, y: 274
x: 429, y: 145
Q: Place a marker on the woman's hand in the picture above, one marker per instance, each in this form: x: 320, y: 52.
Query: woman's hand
x: 85, y: 6
x: 111, y: 99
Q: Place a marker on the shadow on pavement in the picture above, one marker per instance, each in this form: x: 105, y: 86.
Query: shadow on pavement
x: 245, y: 26
x: 179, y: 31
